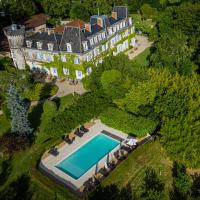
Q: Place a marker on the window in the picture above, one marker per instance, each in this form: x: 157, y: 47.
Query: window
x: 106, y: 45
x: 103, y: 35
x: 99, y: 37
x: 124, y: 23
x: 39, y: 56
x: 63, y: 58
x: 65, y: 71
x: 110, y: 31
x: 49, y: 57
x: 69, y: 47
x: 91, y: 41
x: 79, y: 74
x: 54, y: 71
x: 76, y: 61
x: 120, y: 25
x: 39, y: 45
x: 28, y: 43
x: 95, y: 39
x: 85, y: 46
x: 112, y: 42
x: 50, y: 46
x: 89, y: 70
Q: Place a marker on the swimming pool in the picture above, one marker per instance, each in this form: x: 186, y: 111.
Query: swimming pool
x: 79, y: 162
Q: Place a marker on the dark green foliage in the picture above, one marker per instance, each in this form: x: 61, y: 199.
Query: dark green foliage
x: 40, y: 91
x: 182, y: 182
x: 18, y: 113
x: 18, y: 190
x: 87, y: 107
x: 112, y: 192
x: 126, y: 122
x: 177, y: 41
x: 196, y: 186
x: 153, y: 187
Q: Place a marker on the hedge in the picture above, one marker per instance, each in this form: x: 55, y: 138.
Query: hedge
x: 126, y: 122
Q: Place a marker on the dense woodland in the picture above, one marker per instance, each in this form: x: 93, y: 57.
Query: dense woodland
x: 162, y: 98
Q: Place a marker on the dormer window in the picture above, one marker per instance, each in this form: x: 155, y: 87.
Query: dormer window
x: 99, y: 37
x: 118, y: 27
x: 50, y: 46
x: 28, y: 43
x: 85, y: 46
x: 110, y: 31
x: 95, y: 39
x: 114, y: 29
x: 103, y: 35
x: 39, y: 45
x: 124, y: 23
x: 91, y: 41
x: 69, y: 47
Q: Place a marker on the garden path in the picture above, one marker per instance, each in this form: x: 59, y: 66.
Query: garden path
x: 143, y: 43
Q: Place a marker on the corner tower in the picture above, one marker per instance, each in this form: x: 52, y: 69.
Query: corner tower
x: 15, y: 34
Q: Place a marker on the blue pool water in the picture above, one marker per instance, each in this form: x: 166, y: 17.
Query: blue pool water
x: 87, y: 156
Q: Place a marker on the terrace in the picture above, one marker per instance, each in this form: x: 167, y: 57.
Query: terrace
x: 49, y: 162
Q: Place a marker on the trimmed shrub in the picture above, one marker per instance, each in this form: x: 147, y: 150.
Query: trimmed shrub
x: 126, y: 122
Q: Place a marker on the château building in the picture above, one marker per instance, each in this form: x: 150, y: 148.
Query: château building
x: 73, y: 51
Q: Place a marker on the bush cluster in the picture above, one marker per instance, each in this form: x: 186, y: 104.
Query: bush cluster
x: 40, y: 91
x: 126, y: 122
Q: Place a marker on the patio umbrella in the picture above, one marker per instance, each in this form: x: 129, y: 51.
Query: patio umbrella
x: 106, y: 165
x: 97, y: 168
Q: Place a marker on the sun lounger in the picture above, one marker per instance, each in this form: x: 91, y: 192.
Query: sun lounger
x: 82, y: 128
x: 78, y: 132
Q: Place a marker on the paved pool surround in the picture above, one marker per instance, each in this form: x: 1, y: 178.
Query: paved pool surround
x: 49, y: 163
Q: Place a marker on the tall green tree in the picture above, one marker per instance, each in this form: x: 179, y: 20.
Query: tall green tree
x: 18, y: 113
x: 153, y: 187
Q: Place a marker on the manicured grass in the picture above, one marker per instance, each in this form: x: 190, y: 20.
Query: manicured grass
x: 141, y: 59
x: 133, y: 168
x: 4, y: 124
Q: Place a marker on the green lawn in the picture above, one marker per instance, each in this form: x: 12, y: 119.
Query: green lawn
x: 141, y: 59
x: 131, y: 171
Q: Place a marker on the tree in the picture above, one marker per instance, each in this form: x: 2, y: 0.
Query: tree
x: 148, y: 12
x: 182, y: 182
x: 173, y: 100
x: 57, y: 8
x: 112, y: 83
x: 18, y: 113
x: 152, y: 187
x: 76, y: 12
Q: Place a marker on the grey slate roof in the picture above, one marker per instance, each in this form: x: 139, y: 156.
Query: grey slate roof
x: 76, y: 36
x: 122, y: 11
x: 45, y: 38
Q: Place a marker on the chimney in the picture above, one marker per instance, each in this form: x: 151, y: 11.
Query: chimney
x: 88, y: 27
x: 114, y: 15
x: 100, y: 22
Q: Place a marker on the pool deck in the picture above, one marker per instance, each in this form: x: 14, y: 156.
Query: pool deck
x: 48, y: 163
